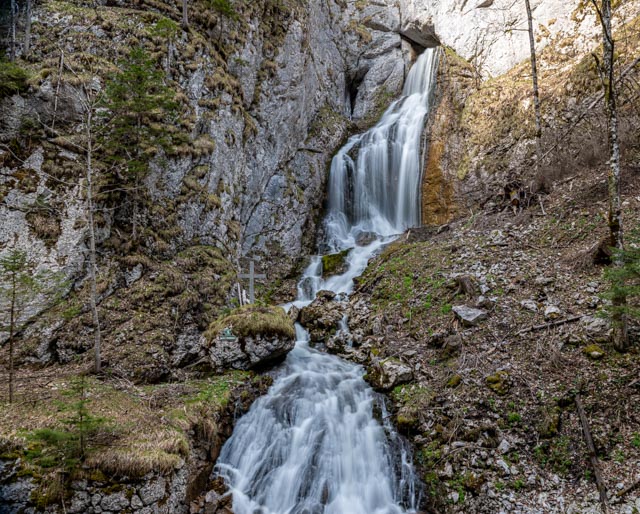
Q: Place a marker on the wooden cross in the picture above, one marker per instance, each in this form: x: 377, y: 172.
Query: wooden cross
x: 251, y: 276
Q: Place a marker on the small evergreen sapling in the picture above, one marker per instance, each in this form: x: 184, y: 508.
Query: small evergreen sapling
x: 23, y: 288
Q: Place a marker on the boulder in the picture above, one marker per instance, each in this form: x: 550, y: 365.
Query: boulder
x: 335, y: 263
x: 470, y: 316
x: 389, y: 373
x: 250, y: 337
x: 322, y: 317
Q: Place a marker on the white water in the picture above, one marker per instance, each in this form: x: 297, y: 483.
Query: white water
x: 313, y: 444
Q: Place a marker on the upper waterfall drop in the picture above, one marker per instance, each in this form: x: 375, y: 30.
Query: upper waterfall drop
x: 374, y: 183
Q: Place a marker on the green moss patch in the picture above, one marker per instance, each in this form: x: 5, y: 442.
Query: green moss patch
x: 334, y: 263
x: 13, y: 79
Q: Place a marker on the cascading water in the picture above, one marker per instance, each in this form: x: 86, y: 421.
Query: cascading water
x: 313, y: 444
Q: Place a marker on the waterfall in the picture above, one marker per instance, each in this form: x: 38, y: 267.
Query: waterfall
x: 374, y: 184
x: 314, y: 443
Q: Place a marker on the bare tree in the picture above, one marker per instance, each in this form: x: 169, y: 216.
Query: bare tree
x: 90, y: 99
x: 620, y: 323
x: 12, y: 29
x: 27, y: 28
x: 534, y: 73
x: 185, y: 15
x: 89, y: 106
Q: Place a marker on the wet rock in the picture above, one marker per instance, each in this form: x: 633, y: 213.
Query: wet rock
x: 366, y: 238
x: 322, y: 317
x: 335, y: 264
x: 470, y: 316
x: 389, y: 373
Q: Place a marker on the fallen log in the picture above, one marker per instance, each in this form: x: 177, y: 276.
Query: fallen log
x: 593, y: 456
x: 557, y: 323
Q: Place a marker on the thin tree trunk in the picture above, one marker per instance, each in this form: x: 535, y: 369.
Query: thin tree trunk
x: 27, y: 29
x: 14, y: 20
x: 12, y: 322
x: 534, y: 73
x: 92, y: 248
x: 185, y: 15
x: 620, y: 325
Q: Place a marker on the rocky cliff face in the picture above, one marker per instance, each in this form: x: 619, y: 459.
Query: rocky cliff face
x: 266, y: 93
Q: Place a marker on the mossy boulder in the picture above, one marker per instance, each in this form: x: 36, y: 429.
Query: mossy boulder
x: 250, y: 337
x: 594, y: 352
x: 498, y: 382
x: 334, y: 263
x: 253, y: 321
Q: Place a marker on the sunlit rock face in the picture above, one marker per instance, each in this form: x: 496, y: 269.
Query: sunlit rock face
x: 492, y: 33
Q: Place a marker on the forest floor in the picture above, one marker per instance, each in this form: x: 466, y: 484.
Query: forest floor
x: 491, y: 410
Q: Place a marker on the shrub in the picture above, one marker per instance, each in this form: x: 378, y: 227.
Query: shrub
x: 13, y: 79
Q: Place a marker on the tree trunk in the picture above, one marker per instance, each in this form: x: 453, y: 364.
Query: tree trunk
x: 185, y: 15
x: 92, y: 248
x: 27, y: 29
x: 620, y: 328
x: 12, y: 322
x: 534, y: 73
x: 14, y: 20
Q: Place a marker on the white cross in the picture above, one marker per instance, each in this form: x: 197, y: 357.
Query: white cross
x: 251, y: 276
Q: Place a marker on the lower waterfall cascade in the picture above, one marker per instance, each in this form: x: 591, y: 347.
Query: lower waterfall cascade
x: 320, y: 441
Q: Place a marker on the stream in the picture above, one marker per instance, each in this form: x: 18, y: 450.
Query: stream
x: 320, y: 441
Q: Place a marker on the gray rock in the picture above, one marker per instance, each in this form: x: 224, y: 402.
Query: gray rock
x: 80, y: 502
x: 248, y: 352
x: 136, y: 502
x: 115, y: 502
x: 530, y: 305
x: 470, y: 316
x: 552, y: 312
x: 389, y: 373
x: 153, y: 491
x: 504, y: 447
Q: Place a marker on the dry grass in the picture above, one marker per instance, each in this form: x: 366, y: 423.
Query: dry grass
x: 146, y: 428
x: 252, y: 320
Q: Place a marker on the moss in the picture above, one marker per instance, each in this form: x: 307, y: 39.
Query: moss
x: 334, y: 263
x: 253, y: 320
x: 13, y: 79
x: 454, y: 381
x: 593, y: 351
x: 498, y: 382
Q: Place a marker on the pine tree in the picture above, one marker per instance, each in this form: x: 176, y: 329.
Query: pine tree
x: 22, y: 287
x: 140, y: 106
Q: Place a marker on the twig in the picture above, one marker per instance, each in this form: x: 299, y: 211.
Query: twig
x: 627, y: 490
x: 593, y: 456
x: 535, y: 328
